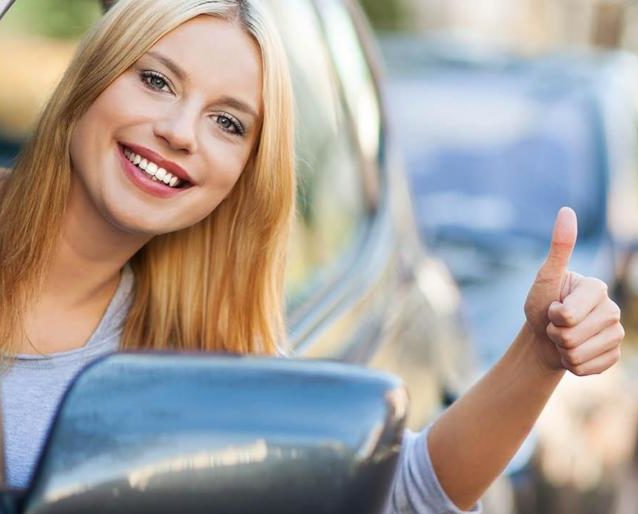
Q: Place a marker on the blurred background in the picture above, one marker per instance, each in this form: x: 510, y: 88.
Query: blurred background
x: 503, y: 111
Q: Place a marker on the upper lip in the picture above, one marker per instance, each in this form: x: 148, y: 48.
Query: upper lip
x: 169, y: 166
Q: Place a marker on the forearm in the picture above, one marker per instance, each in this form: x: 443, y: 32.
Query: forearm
x: 475, y: 438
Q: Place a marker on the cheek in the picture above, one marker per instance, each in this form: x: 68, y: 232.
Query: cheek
x: 225, y: 164
x: 83, y: 141
x: 105, y: 113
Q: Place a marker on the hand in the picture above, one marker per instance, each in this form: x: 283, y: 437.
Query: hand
x: 576, y: 324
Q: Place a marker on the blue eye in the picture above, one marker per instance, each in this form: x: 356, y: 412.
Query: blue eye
x: 155, y: 81
x: 230, y: 124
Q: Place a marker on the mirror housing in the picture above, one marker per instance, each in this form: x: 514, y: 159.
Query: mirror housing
x: 166, y: 433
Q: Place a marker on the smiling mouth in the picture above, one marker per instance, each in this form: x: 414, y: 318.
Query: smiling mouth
x: 154, y: 171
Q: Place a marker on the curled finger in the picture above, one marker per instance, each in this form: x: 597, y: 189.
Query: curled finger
x: 596, y: 365
x: 578, y: 303
x: 605, y: 314
x: 608, y: 339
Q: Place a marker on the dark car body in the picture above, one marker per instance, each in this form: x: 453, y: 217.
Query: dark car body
x: 361, y: 288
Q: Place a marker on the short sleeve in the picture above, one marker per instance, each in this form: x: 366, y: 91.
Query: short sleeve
x: 416, y: 488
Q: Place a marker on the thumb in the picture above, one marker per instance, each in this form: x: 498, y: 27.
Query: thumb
x: 561, y: 247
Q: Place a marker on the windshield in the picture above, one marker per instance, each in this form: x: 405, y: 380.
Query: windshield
x: 492, y: 159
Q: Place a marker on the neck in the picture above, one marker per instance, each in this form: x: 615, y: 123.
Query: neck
x: 89, y: 256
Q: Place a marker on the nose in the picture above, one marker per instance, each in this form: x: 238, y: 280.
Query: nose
x: 178, y: 128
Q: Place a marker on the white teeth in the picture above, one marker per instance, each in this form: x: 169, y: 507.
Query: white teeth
x: 161, y: 173
x: 153, y: 170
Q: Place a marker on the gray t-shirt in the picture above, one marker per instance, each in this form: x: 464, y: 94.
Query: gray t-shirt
x: 34, y: 385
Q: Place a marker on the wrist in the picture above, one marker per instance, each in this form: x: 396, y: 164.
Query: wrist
x: 542, y: 354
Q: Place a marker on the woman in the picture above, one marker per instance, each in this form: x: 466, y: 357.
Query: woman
x: 151, y: 210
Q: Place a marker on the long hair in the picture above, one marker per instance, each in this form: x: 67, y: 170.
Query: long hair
x: 215, y: 286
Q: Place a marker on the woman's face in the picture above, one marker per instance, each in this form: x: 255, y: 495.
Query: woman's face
x: 164, y: 144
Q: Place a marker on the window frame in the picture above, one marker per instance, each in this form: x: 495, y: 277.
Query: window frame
x: 363, y: 263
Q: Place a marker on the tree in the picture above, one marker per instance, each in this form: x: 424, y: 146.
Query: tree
x: 60, y: 19
x: 387, y: 14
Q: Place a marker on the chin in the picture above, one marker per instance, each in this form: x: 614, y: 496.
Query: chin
x: 143, y: 225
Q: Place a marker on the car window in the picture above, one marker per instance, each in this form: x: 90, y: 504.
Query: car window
x: 356, y: 77
x: 332, y: 206
x: 37, y: 40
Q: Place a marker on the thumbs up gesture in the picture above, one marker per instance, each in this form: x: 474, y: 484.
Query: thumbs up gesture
x: 576, y: 324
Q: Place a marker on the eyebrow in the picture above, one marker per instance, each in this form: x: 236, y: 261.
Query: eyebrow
x: 234, y: 103
x: 169, y: 64
x: 227, y: 101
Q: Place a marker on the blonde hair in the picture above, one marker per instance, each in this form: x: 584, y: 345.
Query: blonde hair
x: 215, y: 286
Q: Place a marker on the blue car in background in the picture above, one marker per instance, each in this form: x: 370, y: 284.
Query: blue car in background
x: 493, y: 149
x: 494, y: 145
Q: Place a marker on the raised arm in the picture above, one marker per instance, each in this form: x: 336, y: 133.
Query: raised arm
x: 571, y: 324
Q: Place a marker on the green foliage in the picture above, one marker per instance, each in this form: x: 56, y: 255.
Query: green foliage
x: 61, y: 19
x: 387, y: 14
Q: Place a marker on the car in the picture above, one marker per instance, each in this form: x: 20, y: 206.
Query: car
x: 167, y: 433
x: 361, y: 288
x: 494, y: 145
x: 511, y: 140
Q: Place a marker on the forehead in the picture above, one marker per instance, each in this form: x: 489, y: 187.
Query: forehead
x: 217, y: 57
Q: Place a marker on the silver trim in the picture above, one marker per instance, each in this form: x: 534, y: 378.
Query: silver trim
x: 4, y: 6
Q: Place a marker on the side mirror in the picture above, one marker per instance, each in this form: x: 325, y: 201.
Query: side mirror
x: 166, y: 433
x: 4, y: 6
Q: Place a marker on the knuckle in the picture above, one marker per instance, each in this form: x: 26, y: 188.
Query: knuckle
x: 616, y: 354
x: 597, y: 284
x: 579, y: 371
x: 614, y: 311
x: 567, y: 339
x: 574, y: 359
x: 621, y: 332
x: 611, y: 310
x: 543, y: 275
x: 568, y: 316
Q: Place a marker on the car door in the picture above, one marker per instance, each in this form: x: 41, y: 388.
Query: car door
x: 360, y: 288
